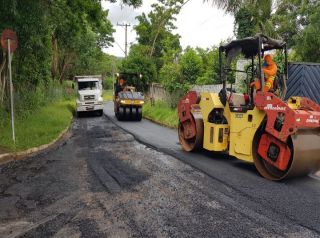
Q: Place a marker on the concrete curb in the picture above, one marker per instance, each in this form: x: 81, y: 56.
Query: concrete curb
x: 15, y: 156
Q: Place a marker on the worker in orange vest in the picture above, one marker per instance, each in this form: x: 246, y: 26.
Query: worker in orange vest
x: 120, y: 86
x: 270, y: 72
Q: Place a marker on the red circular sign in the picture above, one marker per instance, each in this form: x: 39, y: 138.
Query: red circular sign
x: 9, y: 34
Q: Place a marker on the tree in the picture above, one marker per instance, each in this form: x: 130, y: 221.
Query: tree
x: 155, y: 31
x: 57, y: 39
x: 191, y: 66
x: 134, y: 3
x: 298, y: 21
x: 251, y: 16
x: 210, y: 63
x: 138, y: 62
x: 307, y: 41
x: 80, y: 30
x: 171, y: 78
x: 29, y: 20
x: 230, y: 6
x: 157, y: 45
x: 245, y: 24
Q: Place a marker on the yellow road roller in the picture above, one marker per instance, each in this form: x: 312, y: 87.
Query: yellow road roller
x: 281, y: 137
x: 127, y: 101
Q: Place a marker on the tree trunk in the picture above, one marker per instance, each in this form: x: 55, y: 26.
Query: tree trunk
x: 156, y: 37
x: 65, y: 63
x: 55, y: 54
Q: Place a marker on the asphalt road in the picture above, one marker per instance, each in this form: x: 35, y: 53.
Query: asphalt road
x: 103, y: 183
x: 294, y: 201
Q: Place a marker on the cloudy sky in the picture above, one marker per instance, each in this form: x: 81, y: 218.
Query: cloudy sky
x: 198, y: 24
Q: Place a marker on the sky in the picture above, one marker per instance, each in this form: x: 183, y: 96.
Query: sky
x: 199, y: 24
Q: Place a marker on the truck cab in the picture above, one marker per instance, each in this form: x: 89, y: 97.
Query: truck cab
x: 89, y: 94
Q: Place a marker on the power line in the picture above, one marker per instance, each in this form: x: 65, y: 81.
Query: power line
x: 119, y: 46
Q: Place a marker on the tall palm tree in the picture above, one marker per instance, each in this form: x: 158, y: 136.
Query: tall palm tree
x: 261, y: 11
x: 230, y: 6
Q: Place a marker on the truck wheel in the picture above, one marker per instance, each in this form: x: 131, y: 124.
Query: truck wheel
x: 100, y: 113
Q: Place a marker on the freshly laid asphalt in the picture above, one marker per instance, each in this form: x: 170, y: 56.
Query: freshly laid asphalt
x: 294, y: 201
x: 102, y: 183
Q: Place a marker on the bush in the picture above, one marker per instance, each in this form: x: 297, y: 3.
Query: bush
x: 108, y: 83
x: 28, y: 98
x: 171, y: 78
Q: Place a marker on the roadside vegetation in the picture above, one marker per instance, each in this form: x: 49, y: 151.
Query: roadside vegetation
x: 161, y: 113
x: 107, y: 95
x: 57, y: 40
x: 41, y: 127
x: 68, y: 38
x: 39, y: 118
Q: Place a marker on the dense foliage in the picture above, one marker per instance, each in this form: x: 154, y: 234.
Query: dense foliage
x: 296, y: 21
x: 61, y: 38
x: 134, y: 3
x: 158, y: 54
x: 299, y: 22
x: 57, y: 40
x: 138, y: 62
x: 157, y: 45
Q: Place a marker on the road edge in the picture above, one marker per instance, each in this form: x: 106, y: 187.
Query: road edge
x: 158, y: 122
x: 15, y: 156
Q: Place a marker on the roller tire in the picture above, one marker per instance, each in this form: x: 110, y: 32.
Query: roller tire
x: 139, y: 114
x: 194, y: 143
x: 264, y: 168
x: 127, y: 113
x: 120, y: 113
x: 133, y: 113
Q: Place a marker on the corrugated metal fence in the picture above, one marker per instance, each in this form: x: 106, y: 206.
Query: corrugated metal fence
x: 304, y: 80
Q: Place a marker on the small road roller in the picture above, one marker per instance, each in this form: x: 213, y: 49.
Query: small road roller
x: 127, y: 101
x: 281, y: 137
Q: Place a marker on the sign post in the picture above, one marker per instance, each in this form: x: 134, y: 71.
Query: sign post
x: 9, y: 43
x: 11, y: 94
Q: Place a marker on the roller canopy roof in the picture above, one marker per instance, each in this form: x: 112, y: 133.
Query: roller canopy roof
x: 250, y: 46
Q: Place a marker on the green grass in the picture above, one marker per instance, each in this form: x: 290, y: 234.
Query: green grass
x: 161, y: 113
x: 107, y: 95
x: 41, y: 127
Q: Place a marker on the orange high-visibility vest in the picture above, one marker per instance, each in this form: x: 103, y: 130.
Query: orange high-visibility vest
x: 270, y: 73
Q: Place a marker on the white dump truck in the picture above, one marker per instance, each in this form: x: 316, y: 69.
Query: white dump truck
x: 89, y: 94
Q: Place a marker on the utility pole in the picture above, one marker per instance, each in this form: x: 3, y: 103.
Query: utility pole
x: 126, y: 37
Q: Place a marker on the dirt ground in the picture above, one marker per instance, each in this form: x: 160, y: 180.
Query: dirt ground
x: 102, y: 183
